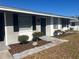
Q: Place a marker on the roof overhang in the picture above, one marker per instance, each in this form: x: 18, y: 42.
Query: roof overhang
x: 74, y: 20
x: 30, y: 12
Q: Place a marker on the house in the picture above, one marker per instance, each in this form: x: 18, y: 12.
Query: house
x: 15, y: 22
x: 74, y: 24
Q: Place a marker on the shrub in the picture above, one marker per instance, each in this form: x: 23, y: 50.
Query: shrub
x: 36, y: 39
x: 23, y: 38
x: 36, y: 36
x: 58, y: 32
x: 71, y: 29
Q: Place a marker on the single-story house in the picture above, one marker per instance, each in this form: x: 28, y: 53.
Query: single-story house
x: 74, y: 24
x: 15, y: 22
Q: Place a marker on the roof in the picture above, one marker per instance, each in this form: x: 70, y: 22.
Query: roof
x: 12, y: 9
x: 76, y: 20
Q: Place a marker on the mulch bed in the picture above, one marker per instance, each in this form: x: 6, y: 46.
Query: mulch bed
x: 17, y: 48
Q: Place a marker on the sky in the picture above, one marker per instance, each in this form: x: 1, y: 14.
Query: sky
x: 60, y: 7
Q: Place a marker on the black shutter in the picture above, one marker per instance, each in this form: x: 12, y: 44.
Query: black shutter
x: 34, y: 22
x: 15, y: 22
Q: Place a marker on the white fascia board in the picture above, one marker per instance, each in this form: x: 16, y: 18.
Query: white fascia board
x: 30, y: 12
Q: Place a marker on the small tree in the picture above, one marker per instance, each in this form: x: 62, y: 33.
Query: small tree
x: 23, y: 38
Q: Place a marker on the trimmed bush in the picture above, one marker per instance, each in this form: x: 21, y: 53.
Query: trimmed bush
x: 23, y: 38
x: 36, y: 36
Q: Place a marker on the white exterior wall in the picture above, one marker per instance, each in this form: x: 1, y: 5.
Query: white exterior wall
x: 65, y: 28
x: 59, y: 24
x: 10, y: 36
x: 76, y: 27
x: 25, y: 28
x: 52, y: 30
x: 38, y: 24
x: 51, y: 26
x: 25, y: 25
x: 48, y: 26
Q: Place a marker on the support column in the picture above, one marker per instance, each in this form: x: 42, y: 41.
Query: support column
x: 59, y: 24
x: 48, y: 26
x: 5, y: 39
x: 52, y: 26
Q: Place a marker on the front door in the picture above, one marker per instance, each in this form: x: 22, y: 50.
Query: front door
x: 2, y: 27
x: 43, y: 25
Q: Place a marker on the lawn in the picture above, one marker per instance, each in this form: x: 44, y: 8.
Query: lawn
x: 67, y: 50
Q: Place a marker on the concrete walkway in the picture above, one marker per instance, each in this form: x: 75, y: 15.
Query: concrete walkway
x: 54, y: 42
x: 4, y: 53
x: 48, y: 38
x: 52, y: 39
x: 3, y: 46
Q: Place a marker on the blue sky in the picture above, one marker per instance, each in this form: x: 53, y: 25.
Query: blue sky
x: 60, y: 7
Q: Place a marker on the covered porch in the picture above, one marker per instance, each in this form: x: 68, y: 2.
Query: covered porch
x: 17, y: 23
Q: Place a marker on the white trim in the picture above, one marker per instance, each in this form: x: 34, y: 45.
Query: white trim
x: 59, y: 24
x: 52, y: 26
x: 30, y: 12
x: 5, y: 28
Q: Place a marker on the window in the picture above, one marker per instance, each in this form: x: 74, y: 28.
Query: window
x: 73, y: 24
x: 34, y: 22
x: 15, y: 22
x: 65, y: 22
x: 55, y: 22
x: 68, y: 22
